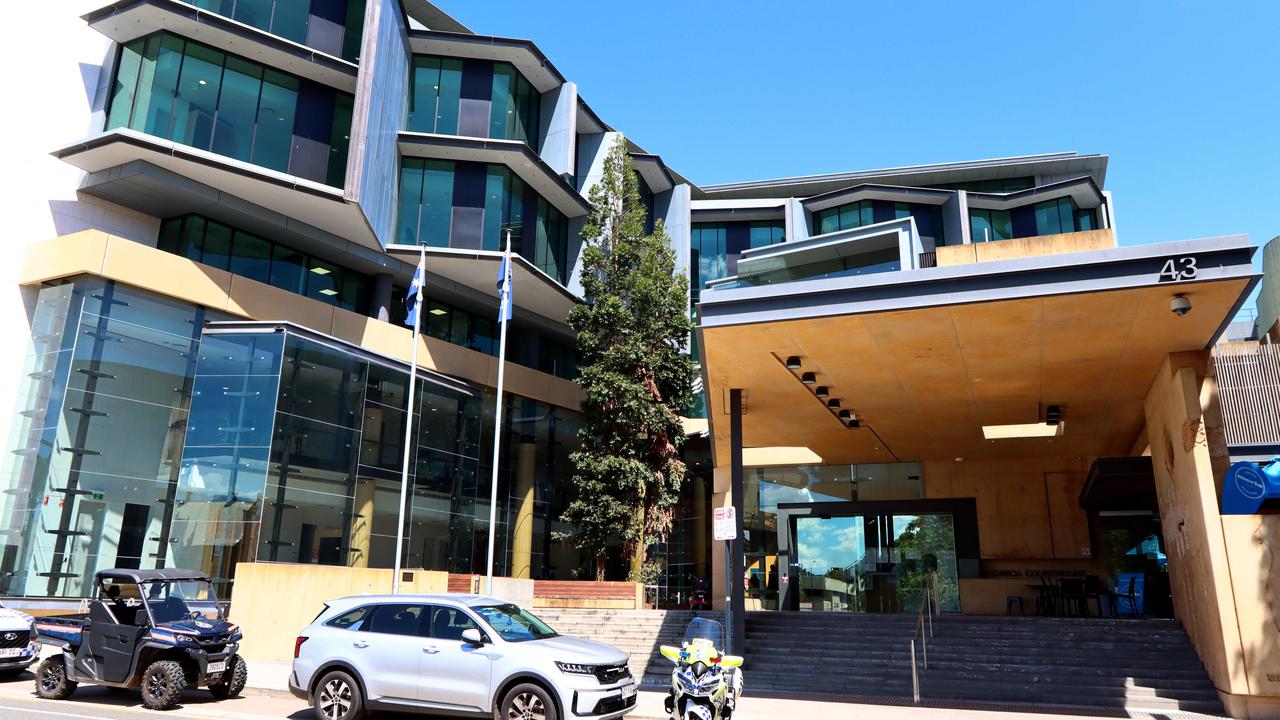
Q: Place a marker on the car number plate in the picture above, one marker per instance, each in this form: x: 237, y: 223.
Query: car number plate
x: 11, y: 652
x: 628, y: 691
x: 216, y: 667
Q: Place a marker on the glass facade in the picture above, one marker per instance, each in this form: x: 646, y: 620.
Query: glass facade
x: 89, y: 482
x: 867, y: 212
x: 213, y: 243
x: 1050, y: 217
x: 332, y: 26
x: 447, y: 96
x: 148, y: 438
x: 764, y: 489
x: 473, y: 205
x: 190, y: 93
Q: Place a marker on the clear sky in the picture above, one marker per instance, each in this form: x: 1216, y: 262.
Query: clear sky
x: 1183, y: 96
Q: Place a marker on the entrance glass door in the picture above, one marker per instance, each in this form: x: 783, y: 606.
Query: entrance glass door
x: 874, y: 563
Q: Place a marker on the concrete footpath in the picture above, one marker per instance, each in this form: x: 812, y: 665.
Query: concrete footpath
x: 267, y: 697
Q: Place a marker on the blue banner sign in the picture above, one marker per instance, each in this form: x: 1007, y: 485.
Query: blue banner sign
x: 1248, y: 485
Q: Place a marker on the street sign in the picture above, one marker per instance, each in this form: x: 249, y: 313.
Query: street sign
x: 724, y: 525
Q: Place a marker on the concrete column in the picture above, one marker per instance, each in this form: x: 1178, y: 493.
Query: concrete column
x: 380, y: 298
x: 361, y: 525
x: 737, y: 593
x: 522, y: 522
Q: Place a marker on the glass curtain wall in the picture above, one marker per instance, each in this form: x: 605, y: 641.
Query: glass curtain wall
x: 90, y: 479
x: 292, y: 453
x: 439, y: 208
x: 332, y: 27
x: 190, y: 93
x: 765, y: 488
x: 1051, y: 217
x: 213, y: 243
x: 436, y: 91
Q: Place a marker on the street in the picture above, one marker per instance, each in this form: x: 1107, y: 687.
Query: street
x: 18, y: 702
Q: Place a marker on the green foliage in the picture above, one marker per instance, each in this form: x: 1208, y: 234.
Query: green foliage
x: 632, y: 327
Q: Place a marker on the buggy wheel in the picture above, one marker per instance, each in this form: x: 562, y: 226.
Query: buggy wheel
x: 51, y: 679
x: 162, y: 685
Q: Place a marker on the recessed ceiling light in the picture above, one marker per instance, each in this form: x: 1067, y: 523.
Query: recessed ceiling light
x: 437, y: 311
x: 328, y: 291
x: 809, y: 378
x: 821, y: 391
x: 320, y: 270
x: 1027, y: 430
x: 833, y: 404
x: 793, y: 362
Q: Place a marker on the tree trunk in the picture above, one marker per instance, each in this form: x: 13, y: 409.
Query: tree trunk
x: 637, y: 562
x: 600, y: 567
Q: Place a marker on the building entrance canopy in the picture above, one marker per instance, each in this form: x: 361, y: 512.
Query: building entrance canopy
x: 922, y: 361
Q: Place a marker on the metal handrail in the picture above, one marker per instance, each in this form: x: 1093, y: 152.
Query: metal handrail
x: 924, y: 620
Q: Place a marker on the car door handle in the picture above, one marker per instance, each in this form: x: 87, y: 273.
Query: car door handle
x: 360, y: 644
x: 431, y: 649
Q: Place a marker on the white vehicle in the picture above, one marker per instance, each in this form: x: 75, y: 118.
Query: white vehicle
x: 457, y: 655
x: 18, y: 648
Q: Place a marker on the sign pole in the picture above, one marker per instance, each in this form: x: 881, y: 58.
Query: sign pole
x: 724, y: 526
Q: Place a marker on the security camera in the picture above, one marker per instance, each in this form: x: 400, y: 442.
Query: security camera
x: 1180, y: 305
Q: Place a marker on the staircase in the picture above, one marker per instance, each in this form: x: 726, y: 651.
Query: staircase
x: 1137, y: 665
x: 1105, y: 666
x: 638, y: 632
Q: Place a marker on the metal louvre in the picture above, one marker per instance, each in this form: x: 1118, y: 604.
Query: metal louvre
x: 1249, y: 391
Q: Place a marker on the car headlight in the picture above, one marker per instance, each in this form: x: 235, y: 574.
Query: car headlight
x: 575, y: 668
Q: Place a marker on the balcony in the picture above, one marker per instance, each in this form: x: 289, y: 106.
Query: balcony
x: 1083, y: 241
x: 880, y: 247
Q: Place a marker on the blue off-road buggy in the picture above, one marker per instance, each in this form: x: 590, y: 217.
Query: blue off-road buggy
x: 161, y: 631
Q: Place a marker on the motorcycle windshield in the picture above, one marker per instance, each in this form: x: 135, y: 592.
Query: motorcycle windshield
x: 706, y: 631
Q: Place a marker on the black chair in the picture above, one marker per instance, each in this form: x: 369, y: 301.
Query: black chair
x: 1046, y: 600
x: 1097, y: 590
x: 1075, y: 601
x: 1131, y: 593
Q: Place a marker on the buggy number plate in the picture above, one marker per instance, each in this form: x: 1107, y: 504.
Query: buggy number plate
x: 628, y: 691
x: 11, y: 652
x: 216, y: 667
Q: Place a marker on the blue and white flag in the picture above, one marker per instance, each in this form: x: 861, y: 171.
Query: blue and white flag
x: 504, y: 284
x: 413, y: 299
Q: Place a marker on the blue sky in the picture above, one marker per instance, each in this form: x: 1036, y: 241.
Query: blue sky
x: 1183, y: 95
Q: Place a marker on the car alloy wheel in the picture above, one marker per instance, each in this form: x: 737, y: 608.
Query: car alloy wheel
x: 526, y: 706
x: 335, y: 699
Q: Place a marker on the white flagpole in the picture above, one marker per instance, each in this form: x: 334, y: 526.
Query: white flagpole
x: 408, y: 420
x: 497, y: 414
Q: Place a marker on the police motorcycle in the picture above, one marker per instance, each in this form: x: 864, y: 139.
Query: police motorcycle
x: 705, y: 684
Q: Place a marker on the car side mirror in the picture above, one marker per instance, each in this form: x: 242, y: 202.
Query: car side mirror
x: 472, y: 636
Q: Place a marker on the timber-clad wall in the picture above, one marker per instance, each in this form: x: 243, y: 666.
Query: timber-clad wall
x: 1248, y: 376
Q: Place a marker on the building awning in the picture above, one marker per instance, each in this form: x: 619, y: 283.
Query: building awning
x: 323, y: 206
x: 1120, y: 484
x: 477, y: 272
x: 924, y: 359
x: 516, y: 155
x: 127, y: 20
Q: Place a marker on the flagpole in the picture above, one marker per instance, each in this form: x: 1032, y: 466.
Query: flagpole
x: 503, y: 311
x: 408, y: 419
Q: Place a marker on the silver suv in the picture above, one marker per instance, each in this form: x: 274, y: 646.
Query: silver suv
x: 457, y: 655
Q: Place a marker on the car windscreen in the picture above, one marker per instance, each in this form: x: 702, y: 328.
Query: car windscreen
x: 175, y: 600
x: 514, y: 624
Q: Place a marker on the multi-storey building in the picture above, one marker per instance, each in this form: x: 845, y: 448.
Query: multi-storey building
x: 950, y: 368
x: 217, y: 369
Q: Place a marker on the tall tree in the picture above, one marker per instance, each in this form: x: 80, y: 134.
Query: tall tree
x: 633, y: 327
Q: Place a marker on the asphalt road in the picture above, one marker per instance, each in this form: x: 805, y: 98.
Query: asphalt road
x: 19, y: 702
